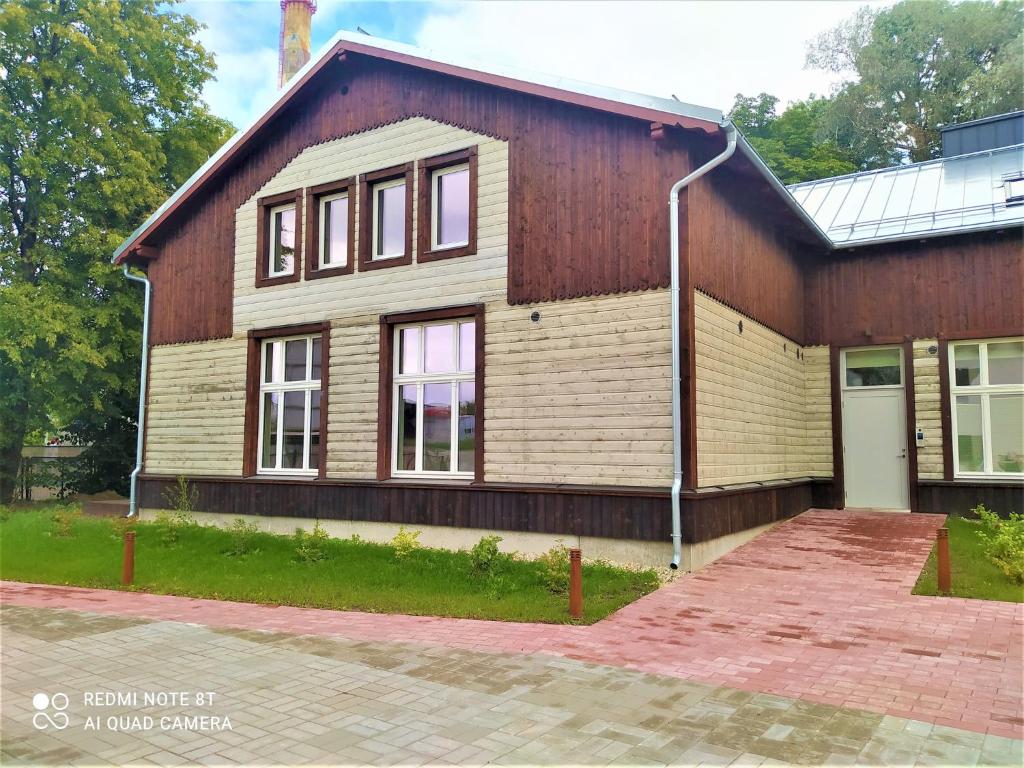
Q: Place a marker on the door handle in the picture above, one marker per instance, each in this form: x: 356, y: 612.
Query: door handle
x: 902, y: 454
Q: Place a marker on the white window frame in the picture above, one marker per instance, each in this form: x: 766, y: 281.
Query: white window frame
x: 375, y: 191
x: 322, y: 262
x: 435, y: 219
x: 273, y: 239
x: 307, y: 385
x: 419, y: 379
x: 983, y: 390
x: 903, y: 373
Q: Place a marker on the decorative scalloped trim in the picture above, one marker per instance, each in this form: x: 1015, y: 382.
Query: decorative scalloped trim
x: 748, y: 316
x: 367, y: 129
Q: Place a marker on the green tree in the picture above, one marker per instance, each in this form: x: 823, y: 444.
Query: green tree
x: 919, y: 65
x: 792, y: 144
x: 100, y: 116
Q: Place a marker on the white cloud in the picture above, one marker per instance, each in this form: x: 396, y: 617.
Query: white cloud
x: 246, y: 76
x: 703, y: 52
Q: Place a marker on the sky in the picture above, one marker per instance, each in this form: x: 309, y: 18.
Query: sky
x: 702, y: 52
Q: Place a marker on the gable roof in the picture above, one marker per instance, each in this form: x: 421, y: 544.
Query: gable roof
x: 653, y: 109
x: 950, y: 195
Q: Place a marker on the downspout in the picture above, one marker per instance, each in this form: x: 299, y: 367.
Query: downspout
x: 677, y: 409
x: 143, y: 376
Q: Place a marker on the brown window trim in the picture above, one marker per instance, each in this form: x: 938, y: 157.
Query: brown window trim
x: 425, y: 251
x: 313, y: 195
x: 384, y: 399
x: 366, y: 184
x: 250, y: 461
x: 263, y: 206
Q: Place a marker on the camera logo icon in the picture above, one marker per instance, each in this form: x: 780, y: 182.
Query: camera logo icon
x: 50, y: 711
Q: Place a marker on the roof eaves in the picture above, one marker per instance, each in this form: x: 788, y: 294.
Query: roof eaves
x: 775, y: 183
x: 991, y: 226
x: 632, y: 104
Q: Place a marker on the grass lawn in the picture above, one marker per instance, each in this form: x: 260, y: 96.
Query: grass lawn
x: 356, y: 575
x: 972, y: 573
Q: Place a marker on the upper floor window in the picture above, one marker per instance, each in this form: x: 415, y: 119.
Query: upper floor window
x: 289, y: 407
x: 389, y: 219
x: 385, y: 235
x: 448, y: 205
x: 278, y: 238
x: 329, y: 243
x: 987, y: 399
x: 281, y: 248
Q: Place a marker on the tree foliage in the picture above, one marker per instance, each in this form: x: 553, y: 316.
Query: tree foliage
x: 919, y: 65
x: 792, y: 143
x: 100, y: 117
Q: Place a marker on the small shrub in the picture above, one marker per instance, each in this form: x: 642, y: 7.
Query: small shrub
x: 169, y: 525
x: 1004, y: 541
x: 64, y: 518
x: 244, y: 536
x: 405, y: 542
x: 311, y: 547
x: 555, y: 569
x: 182, y: 497
x: 485, y: 555
x: 119, y: 526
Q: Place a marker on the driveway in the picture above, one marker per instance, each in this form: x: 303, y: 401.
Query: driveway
x: 818, y: 610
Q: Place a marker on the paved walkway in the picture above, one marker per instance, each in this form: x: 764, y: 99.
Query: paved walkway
x: 248, y: 697
x: 817, y: 609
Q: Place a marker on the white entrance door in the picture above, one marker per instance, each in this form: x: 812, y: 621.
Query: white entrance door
x: 874, y: 428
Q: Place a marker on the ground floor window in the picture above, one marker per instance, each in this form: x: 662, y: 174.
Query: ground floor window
x: 434, y: 397
x: 289, y: 405
x: 987, y: 401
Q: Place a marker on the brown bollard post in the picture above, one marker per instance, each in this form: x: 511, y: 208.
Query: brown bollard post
x: 575, y: 583
x: 942, y: 557
x: 128, y: 566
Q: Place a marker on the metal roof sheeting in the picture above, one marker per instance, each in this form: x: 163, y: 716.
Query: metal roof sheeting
x: 937, y: 197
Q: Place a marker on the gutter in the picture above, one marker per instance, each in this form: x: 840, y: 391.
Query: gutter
x: 731, y: 135
x: 143, y: 377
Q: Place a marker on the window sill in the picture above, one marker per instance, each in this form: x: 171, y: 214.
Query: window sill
x: 265, y: 282
x: 427, y: 480
x: 331, y: 271
x: 383, y: 262
x: 447, y: 252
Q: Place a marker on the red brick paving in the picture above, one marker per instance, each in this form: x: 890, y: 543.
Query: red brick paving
x: 818, y: 608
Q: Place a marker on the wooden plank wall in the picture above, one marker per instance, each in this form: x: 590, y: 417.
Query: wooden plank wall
x: 955, y: 285
x: 740, y: 252
x: 587, y: 205
x: 626, y: 513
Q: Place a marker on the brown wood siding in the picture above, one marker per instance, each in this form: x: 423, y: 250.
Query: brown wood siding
x: 710, y: 514
x: 587, y: 208
x: 740, y: 254
x: 617, y: 513
x: 960, y: 497
x: 965, y: 284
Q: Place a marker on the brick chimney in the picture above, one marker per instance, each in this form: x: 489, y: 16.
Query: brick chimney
x: 293, y: 49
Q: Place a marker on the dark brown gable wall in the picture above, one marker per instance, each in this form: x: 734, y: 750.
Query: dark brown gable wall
x: 588, y: 208
x: 740, y: 251
x: 955, y: 285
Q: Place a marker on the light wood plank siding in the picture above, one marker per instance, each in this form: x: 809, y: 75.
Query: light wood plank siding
x: 583, y: 395
x: 928, y: 410
x: 352, y: 398
x: 196, y: 411
x: 818, y: 401
x: 754, y: 421
x: 463, y: 280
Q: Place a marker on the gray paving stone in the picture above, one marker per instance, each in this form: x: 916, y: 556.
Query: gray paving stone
x: 313, y: 700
